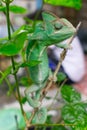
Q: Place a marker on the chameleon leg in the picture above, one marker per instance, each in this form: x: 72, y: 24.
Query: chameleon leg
x: 41, y: 115
x: 33, y: 100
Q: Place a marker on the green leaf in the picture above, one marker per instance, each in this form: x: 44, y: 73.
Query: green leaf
x: 49, y: 119
x: 30, y: 63
x: 74, y: 114
x: 68, y: 3
x: 8, y: 121
x: 61, y: 76
x: 14, y: 46
x: 17, y: 9
x: 2, y: 8
x: 14, y: 8
x: 70, y: 94
x: 21, y: 29
x: 5, y: 74
x: 24, y: 99
x: 26, y: 81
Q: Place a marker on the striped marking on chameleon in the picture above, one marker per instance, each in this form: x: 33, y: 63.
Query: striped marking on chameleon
x: 40, y: 74
x: 42, y: 51
x: 31, y: 50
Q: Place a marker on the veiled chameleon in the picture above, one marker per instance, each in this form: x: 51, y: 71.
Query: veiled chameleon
x: 51, y: 31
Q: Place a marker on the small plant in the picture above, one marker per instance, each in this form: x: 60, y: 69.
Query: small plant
x: 50, y: 31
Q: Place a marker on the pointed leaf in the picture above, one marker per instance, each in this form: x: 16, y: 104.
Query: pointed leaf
x: 21, y: 29
x: 17, y: 9
x: 70, y: 94
x: 14, y: 46
x: 5, y: 74
x: 61, y: 76
x: 70, y: 3
x: 23, y: 100
x: 74, y: 114
x: 30, y: 63
x: 14, y: 8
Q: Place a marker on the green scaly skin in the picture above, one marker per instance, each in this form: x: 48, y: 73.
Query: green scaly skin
x: 51, y: 31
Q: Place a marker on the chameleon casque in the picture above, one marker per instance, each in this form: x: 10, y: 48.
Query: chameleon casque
x: 51, y: 31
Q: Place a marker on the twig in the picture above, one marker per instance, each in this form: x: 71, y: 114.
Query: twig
x: 51, y: 125
x: 33, y: 114
x: 58, y: 90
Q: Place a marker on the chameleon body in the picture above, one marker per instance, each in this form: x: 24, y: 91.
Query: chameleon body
x: 51, y: 31
x: 38, y: 52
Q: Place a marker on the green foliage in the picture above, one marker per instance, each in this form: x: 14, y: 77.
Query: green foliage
x: 74, y: 111
x: 8, y: 121
x: 75, y: 114
x: 23, y: 100
x: 69, y: 94
x: 70, y: 3
x: 14, y: 9
x: 17, y: 9
x: 5, y: 74
x: 30, y: 63
x: 20, y: 30
x: 13, y: 46
x: 25, y: 81
x: 61, y: 77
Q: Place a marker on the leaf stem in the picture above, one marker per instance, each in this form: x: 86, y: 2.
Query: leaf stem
x: 8, y: 21
x: 6, y: 80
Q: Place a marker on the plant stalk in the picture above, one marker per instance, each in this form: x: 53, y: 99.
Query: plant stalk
x: 58, y: 90
x: 12, y: 60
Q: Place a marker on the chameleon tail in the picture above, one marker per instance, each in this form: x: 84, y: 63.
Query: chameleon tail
x: 40, y: 116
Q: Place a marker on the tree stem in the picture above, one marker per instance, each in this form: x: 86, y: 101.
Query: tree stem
x: 12, y: 61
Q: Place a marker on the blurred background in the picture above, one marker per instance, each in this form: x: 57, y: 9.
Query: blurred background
x: 32, y: 6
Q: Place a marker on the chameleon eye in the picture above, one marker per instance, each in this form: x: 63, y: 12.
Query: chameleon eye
x: 58, y: 26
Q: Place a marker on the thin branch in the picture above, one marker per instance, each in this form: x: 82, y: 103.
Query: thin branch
x: 58, y: 90
x: 33, y: 114
x: 13, y: 63
x: 51, y: 125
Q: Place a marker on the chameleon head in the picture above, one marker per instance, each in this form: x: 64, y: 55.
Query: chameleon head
x: 57, y: 29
